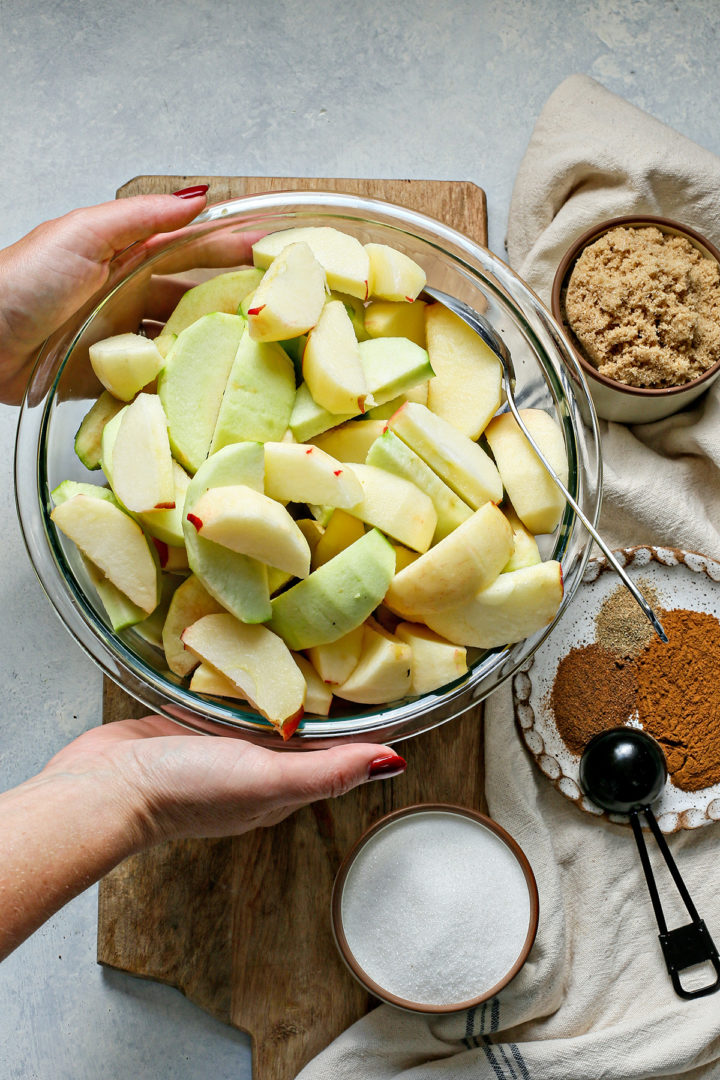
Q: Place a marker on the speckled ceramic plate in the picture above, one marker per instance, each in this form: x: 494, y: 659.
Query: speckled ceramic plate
x: 682, y: 580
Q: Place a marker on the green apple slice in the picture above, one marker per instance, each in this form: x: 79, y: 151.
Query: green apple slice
x: 356, y: 311
x: 88, y: 440
x: 150, y: 629
x: 237, y: 582
x: 309, y: 419
x: 467, y: 560
x: 343, y: 258
x: 338, y: 596
x: 318, y: 698
x: 120, y: 610
x: 536, y: 500
x: 350, y: 442
x: 393, y: 275
x: 289, y: 299
x: 396, y: 506
x: 259, y: 395
x: 392, y: 366
x: 224, y: 292
x: 435, y: 661
x: 190, y: 602
x: 125, y: 363
x: 335, y: 661
x: 252, y: 524
x: 68, y: 489
x: 387, y: 318
x: 255, y: 660
x: 466, y: 390
x: 341, y: 531
x: 460, y: 462
x: 331, y: 362
x: 142, y: 472
x: 513, y: 607
x: 115, y: 544
x: 391, y: 454
x: 297, y: 473
x: 192, y: 384
x: 383, y: 672
x: 417, y: 394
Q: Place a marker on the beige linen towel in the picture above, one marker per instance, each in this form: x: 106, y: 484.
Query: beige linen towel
x: 594, y: 1000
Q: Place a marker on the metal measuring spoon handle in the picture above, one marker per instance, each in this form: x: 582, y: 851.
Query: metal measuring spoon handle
x: 482, y: 327
x: 685, y: 946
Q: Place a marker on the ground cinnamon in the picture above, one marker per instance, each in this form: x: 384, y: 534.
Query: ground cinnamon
x: 679, y: 696
x: 594, y: 689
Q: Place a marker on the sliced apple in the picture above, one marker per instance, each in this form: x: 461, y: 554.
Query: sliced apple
x: 239, y: 583
x: 331, y: 362
x: 115, y: 544
x: 342, y: 257
x: 190, y: 602
x: 192, y: 383
x: 172, y: 559
x: 166, y: 525
x: 309, y: 419
x: 460, y: 462
x: 536, y: 500
x: 392, y: 366
x: 351, y: 441
x: 435, y: 661
x: 289, y: 299
x: 467, y: 560
x: 391, y: 454
x: 356, y: 311
x: 386, y: 318
x: 142, y: 472
x: 255, y: 660
x: 69, y: 488
x: 318, y: 698
x: 513, y: 607
x: 224, y: 292
x: 341, y: 531
x: 88, y: 440
x: 336, y: 660
x: 150, y: 627
x: 259, y: 396
x: 404, y: 556
x: 312, y: 530
x: 297, y: 473
x: 396, y: 506
x: 120, y: 610
x: 336, y: 597
x: 466, y: 390
x: 125, y: 364
x: 383, y: 672
x: 252, y: 524
x: 206, y: 680
x: 418, y: 394
x: 526, y: 551
x: 393, y: 275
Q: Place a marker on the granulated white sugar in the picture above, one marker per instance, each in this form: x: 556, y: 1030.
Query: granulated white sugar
x: 436, y: 908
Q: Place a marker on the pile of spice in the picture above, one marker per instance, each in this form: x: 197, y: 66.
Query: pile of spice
x: 672, y: 690
x: 644, y: 306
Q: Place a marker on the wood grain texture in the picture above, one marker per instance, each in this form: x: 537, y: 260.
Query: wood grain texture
x: 242, y: 926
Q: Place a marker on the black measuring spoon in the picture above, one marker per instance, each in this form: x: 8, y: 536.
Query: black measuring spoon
x: 623, y: 770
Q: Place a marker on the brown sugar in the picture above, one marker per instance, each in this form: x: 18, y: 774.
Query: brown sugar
x: 645, y: 307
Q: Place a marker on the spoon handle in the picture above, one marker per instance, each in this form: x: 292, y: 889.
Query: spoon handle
x: 687, y: 945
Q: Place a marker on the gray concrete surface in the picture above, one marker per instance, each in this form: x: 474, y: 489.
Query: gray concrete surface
x: 95, y: 93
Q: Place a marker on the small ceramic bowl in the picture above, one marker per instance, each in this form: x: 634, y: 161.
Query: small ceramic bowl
x: 615, y: 400
x: 435, y: 908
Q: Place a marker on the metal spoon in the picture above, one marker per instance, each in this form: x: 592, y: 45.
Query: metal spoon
x: 482, y: 327
x: 623, y: 770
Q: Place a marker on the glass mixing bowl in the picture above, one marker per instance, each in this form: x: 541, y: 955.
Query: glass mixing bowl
x: 63, y: 387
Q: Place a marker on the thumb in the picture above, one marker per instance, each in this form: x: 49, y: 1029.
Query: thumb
x: 325, y: 774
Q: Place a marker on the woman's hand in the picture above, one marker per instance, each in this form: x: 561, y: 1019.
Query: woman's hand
x: 49, y: 274
x: 178, y: 784
x: 131, y: 784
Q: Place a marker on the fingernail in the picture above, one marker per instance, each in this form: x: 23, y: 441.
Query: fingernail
x: 386, y: 766
x: 192, y: 192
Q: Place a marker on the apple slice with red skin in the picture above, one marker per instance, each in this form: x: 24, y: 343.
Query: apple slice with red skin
x: 255, y: 660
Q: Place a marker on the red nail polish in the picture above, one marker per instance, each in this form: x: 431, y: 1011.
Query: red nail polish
x: 386, y: 766
x: 192, y: 192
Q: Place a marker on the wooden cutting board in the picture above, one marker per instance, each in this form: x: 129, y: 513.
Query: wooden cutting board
x: 242, y: 926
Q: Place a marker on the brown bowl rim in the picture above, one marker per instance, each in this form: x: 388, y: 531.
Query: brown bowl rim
x: 339, y: 884
x: 571, y: 256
